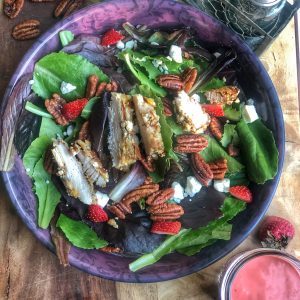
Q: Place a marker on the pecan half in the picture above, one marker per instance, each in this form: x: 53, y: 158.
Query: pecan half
x: 218, y: 168
x: 146, y: 162
x: 66, y: 7
x: 165, y: 212
x: 12, y: 8
x: 189, y: 77
x: 170, y: 81
x: 160, y: 197
x: 111, y: 249
x: 168, y: 110
x: 201, y: 169
x: 54, y: 107
x: 94, y: 89
x: 117, y: 211
x: 91, y: 86
x: 84, y: 133
x: 223, y: 95
x: 216, y: 128
x: 26, y: 30
x: 233, y: 150
x: 190, y: 143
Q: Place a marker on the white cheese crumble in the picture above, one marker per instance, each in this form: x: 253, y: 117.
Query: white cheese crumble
x: 249, y: 113
x: 193, y: 186
x: 156, y: 62
x: 70, y: 130
x: 67, y: 87
x: 154, y: 43
x: 195, y: 97
x: 120, y: 45
x: 222, y: 185
x: 27, y: 170
x: 102, y: 199
x: 131, y: 44
x: 178, y: 192
x: 31, y: 82
x: 176, y: 53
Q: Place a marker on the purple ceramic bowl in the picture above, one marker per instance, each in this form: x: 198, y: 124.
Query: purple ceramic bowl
x: 254, y: 81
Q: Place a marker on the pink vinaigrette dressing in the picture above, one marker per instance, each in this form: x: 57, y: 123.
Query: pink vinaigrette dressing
x: 267, y: 277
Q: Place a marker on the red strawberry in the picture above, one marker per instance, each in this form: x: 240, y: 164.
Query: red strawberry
x: 72, y: 110
x: 166, y: 227
x: 241, y: 192
x: 111, y: 37
x: 275, y: 232
x: 96, y: 214
x: 215, y: 110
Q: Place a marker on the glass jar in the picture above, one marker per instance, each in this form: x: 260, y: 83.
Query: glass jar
x: 250, y: 267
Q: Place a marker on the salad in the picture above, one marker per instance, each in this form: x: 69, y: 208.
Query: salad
x: 141, y: 143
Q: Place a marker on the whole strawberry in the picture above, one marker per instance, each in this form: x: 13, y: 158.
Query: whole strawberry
x: 275, y: 232
x: 96, y: 214
x: 72, y: 110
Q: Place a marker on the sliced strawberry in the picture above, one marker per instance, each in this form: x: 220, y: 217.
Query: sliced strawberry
x: 215, y: 110
x: 72, y: 110
x: 111, y: 37
x: 241, y: 192
x: 166, y: 227
x: 96, y: 214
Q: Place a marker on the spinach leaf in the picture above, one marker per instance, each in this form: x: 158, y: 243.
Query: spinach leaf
x: 52, y: 69
x: 232, y: 112
x: 176, y: 128
x: 229, y: 132
x: 80, y: 234
x: 50, y: 129
x: 48, y: 195
x: 191, y: 241
x: 34, y: 153
x: 239, y: 178
x: 214, y: 151
x: 258, y: 150
x: 66, y: 37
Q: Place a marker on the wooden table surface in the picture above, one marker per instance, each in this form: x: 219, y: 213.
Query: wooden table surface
x: 30, y: 271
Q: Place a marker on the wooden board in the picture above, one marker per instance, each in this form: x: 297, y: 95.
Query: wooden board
x: 29, y: 271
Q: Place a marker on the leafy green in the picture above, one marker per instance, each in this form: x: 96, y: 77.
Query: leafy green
x: 239, y: 178
x: 141, y: 76
x: 66, y: 37
x: 80, y: 234
x: 214, y: 83
x: 52, y: 69
x: 232, y: 112
x: 34, y: 153
x: 37, y: 110
x: 77, y: 126
x: 229, y: 132
x: 191, y: 241
x: 86, y: 112
x: 176, y: 128
x: 214, y: 151
x: 259, y: 150
x: 50, y: 129
x: 48, y: 195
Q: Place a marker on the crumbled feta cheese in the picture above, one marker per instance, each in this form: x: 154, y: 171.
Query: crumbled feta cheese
x: 156, y: 62
x: 120, y: 45
x: 31, y: 82
x: 249, y: 113
x: 66, y: 87
x: 217, y: 54
x: 154, y: 44
x: 70, y: 130
x: 195, y: 97
x: 178, y: 192
x: 27, y: 170
x: 193, y: 186
x: 102, y: 199
x: 222, y: 185
x: 131, y: 44
x: 176, y: 53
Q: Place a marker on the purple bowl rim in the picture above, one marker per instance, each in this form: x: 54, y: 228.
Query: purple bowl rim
x: 266, y: 80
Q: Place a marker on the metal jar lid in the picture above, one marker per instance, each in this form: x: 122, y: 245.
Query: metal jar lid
x: 266, y: 3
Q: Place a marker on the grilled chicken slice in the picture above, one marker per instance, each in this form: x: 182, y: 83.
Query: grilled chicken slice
x: 190, y: 114
x: 71, y: 173
x: 122, y: 141
x: 149, y: 125
x: 91, y: 164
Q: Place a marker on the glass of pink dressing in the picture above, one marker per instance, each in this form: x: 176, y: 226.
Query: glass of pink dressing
x: 261, y: 274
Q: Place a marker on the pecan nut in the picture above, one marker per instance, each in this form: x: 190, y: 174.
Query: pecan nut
x: 84, y: 133
x: 26, y: 30
x: 216, y: 128
x: 189, y: 77
x: 218, y: 168
x: 94, y: 89
x: 146, y: 162
x: 12, y: 8
x: 54, y: 107
x: 160, y: 196
x: 111, y: 249
x: 165, y: 212
x: 66, y: 7
x: 233, y: 150
x: 201, y: 169
x: 117, y: 211
x: 168, y: 111
x: 170, y: 81
x: 223, y: 95
x: 190, y: 143
x: 91, y: 86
